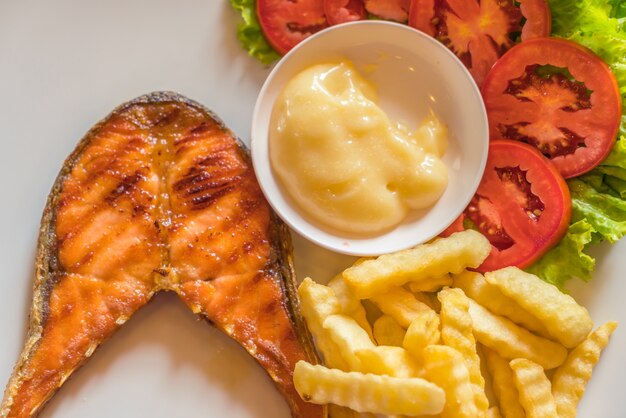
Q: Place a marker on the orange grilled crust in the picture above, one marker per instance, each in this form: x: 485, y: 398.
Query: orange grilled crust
x: 158, y: 196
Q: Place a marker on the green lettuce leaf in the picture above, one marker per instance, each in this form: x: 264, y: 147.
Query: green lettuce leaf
x: 250, y: 34
x: 604, y: 212
x: 598, y: 197
x: 598, y: 214
x: 618, y: 8
x: 617, y: 185
x: 617, y: 157
x: 567, y: 259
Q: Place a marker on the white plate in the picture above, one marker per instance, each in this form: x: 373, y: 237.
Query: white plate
x: 63, y: 66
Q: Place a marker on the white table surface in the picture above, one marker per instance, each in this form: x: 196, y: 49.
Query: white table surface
x: 65, y: 64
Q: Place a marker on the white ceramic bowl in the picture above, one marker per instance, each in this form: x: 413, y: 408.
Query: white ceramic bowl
x: 413, y: 73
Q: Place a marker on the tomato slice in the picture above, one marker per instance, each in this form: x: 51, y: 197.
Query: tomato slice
x: 342, y: 11
x: 397, y: 10
x: 558, y: 96
x: 479, y: 32
x: 522, y: 206
x: 287, y: 22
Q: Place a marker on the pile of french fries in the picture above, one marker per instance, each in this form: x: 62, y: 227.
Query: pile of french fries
x: 445, y: 338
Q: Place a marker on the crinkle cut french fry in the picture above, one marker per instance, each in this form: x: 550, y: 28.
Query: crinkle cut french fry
x: 512, y: 341
x: 484, y: 371
x: 402, y: 306
x: 348, y: 337
x: 372, y: 311
x: 456, y: 332
x: 318, y: 302
x: 367, y: 392
x: 349, y: 303
x: 446, y: 255
x: 431, y: 284
x: 422, y: 332
x: 534, y: 389
x: 387, y: 331
x: 569, y: 380
x: 445, y: 367
x: 362, y: 355
x: 566, y: 321
x: 391, y: 361
x: 503, y: 384
x: 493, y: 412
x: 428, y: 299
x: 491, y: 297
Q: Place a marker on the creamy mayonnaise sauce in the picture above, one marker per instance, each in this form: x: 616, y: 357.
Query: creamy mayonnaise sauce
x: 341, y: 158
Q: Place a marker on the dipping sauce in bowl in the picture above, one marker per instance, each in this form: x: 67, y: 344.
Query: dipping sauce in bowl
x: 344, y: 161
x: 335, y: 164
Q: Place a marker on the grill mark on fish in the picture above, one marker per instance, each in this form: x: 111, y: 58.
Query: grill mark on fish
x: 193, y: 178
x: 256, y: 279
x: 110, y: 201
x: 210, y: 185
x: 121, y: 253
x: 248, y: 207
x: 167, y: 117
x: 116, y: 157
x: 202, y: 171
x: 271, y: 307
x: 207, y: 199
x: 119, y: 154
x: 94, y: 248
x: 216, y: 160
x: 200, y: 130
x: 125, y: 187
x: 89, y: 247
x: 121, y: 126
x: 183, y: 145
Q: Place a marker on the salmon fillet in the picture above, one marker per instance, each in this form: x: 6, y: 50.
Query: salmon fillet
x: 159, y: 196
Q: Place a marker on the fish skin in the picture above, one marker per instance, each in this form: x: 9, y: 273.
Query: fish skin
x: 159, y: 196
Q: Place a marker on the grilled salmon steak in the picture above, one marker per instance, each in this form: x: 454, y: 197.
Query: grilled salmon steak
x: 160, y: 195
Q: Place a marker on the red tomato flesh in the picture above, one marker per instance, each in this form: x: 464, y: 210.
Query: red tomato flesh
x: 343, y: 11
x: 522, y: 206
x: 480, y: 32
x: 570, y: 112
x: 286, y: 22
